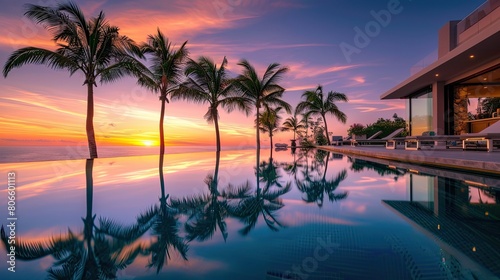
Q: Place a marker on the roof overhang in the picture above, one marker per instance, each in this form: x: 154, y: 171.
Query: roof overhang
x: 484, y: 46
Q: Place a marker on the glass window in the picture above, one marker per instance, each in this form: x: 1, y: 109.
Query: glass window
x: 476, y: 102
x: 421, y: 190
x: 421, y: 113
x: 483, y: 93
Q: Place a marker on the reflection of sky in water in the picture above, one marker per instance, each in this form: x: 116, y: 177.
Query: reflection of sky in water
x: 367, y: 239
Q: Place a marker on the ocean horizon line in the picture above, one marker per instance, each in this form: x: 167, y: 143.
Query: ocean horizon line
x: 38, y: 153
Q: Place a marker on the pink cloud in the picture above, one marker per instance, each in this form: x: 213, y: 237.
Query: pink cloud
x: 359, y: 79
x: 301, y: 70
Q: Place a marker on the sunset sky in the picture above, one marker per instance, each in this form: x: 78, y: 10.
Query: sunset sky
x: 41, y: 106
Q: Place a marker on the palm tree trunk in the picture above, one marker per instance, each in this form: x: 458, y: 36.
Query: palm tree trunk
x: 89, y: 220
x: 271, y: 153
x: 326, y: 166
x: 162, y: 147
x: 257, y: 156
x: 271, y: 140
x: 216, y: 172
x: 326, y: 129
x: 217, y: 133
x: 90, y: 121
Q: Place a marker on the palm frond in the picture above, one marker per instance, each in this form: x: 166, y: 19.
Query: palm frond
x: 189, y: 204
x: 32, y: 55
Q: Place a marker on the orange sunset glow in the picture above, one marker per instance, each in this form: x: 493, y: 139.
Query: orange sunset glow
x: 249, y: 139
x: 43, y: 106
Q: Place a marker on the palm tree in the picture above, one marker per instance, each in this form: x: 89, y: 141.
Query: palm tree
x: 208, y: 84
x: 269, y: 121
x: 262, y: 92
x: 163, y: 77
x: 92, y: 47
x: 316, y: 104
x: 293, y: 124
x: 305, y: 120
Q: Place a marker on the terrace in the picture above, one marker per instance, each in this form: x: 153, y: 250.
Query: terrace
x: 456, y: 159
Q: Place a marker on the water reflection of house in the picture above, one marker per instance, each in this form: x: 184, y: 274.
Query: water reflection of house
x: 467, y: 69
x: 463, y: 219
x: 337, y: 156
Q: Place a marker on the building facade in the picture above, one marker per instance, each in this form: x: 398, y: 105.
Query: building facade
x: 450, y: 95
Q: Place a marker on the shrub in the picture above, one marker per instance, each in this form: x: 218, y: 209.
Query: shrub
x: 387, y: 126
x: 356, y: 129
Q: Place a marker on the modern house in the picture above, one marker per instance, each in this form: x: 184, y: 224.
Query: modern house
x: 446, y: 95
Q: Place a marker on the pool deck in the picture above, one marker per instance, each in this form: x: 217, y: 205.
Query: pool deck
x: 470, y: 161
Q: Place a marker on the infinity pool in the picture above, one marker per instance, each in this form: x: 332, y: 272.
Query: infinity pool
x: 303, y: 215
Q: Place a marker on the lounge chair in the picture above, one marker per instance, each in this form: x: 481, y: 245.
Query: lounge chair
x: 391, y: 142
x: 437, y: 141
x: 354, y: 141
x: 388, y: 140
x: 475, y: 140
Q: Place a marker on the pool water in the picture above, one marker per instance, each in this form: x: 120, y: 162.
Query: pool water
x: 305, y: 214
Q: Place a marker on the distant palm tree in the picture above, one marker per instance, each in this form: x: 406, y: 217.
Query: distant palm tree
x: 163, y: 76
x: 315, y: 103
x: 306, y: 121
x: 207, y: 84
x: 293, y: 124
x: 92, y: 47
x: 262, y: 92
x: 269, y: 121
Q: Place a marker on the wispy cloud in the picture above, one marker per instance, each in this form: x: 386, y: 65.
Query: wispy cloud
x: 377, y: 105
x: 181, y: 19
x: 303, y: 70
x: 39, y: 100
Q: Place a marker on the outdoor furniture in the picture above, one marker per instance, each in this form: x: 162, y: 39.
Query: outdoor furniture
x: 388, y: 140
x: 437, y: 141
x: 481, y: 139
x: 354, y: 141
x: 337, y: 140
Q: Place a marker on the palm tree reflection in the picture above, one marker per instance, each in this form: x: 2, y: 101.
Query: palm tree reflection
x: 98, y: 252
x: 265, y: 201
x: 165, y: 230
x: 359, y: 165
x: 298, y: 163
x: 207, y: 212
x: 315, y: 188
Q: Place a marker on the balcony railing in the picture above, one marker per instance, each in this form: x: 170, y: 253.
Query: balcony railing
x: 477, y: 15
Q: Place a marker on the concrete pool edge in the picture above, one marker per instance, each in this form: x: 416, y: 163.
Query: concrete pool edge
x: 468, y: 161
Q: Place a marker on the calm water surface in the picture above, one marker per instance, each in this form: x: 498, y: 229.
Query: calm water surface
x: 308, y: 215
